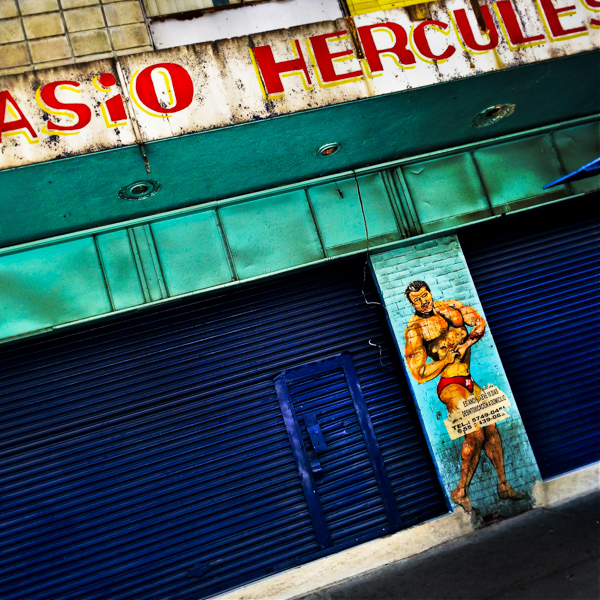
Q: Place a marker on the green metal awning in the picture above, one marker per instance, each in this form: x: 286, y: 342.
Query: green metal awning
x: 73, y: 194
x: 128, y: 265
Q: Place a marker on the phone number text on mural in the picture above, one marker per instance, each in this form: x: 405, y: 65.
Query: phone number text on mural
x: 474, y: 414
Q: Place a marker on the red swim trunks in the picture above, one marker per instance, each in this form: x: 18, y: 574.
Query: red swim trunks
x: 466, y: 382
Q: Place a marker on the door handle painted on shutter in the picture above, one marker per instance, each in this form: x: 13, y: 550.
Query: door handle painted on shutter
x: 318, y: 442
x: 314, y: 432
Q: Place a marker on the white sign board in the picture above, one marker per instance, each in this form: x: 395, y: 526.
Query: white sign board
x: 144, y: 97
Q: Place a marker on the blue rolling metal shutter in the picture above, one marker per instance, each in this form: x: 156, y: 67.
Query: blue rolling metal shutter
x: 538, y: 279
x: 147, y: 458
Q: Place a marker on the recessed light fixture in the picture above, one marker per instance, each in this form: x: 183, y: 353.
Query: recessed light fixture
x: 328, y: 149
x: 492, y: 115
x: 139, y: 190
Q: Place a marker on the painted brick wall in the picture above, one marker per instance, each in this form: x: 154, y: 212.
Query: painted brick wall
x: 441, y: 264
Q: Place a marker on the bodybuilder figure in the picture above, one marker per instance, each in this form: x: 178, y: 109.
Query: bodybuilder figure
x: 438, y: 331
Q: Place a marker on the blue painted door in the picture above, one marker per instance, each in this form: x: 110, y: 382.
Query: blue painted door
x: 342, y: 473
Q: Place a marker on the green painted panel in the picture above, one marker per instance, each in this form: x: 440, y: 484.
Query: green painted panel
x: 120, y: 269
x: 143, y: 246
x: 339, y: 216
x: 519, y: 170
x: 68, y: 195
x: 578, y: 146
x: 51, y: 285
x: 271, y: 234
x: 192, y: 253
x: 445, y: 189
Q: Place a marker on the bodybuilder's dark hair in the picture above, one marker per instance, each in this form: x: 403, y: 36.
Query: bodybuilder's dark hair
x: 415, y: 286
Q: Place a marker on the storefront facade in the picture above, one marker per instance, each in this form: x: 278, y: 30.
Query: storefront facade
x: 215, y: 366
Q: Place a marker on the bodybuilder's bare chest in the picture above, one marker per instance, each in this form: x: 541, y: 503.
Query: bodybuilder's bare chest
x: 436, y: 326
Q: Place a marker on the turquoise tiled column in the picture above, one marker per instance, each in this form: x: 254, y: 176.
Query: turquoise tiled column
x: 441, y: 264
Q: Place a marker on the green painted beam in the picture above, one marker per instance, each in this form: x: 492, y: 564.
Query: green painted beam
x: 49, y: 284
x: 73, y: 194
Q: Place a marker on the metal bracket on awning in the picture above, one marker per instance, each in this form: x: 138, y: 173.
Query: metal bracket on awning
x: 589, y: 170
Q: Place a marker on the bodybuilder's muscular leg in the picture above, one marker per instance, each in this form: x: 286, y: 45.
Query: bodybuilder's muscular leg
x: 451, y: 396
x: 492, y: 447
x: 471, y: 449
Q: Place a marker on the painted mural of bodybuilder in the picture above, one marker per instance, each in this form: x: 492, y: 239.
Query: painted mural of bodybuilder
x: 438, y: 343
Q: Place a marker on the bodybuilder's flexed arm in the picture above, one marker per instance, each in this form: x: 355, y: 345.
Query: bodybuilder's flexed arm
x: 471, y: 318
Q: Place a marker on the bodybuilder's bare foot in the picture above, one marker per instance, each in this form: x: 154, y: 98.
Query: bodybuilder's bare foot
x: 507, y: 493
x: 460, y: 497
